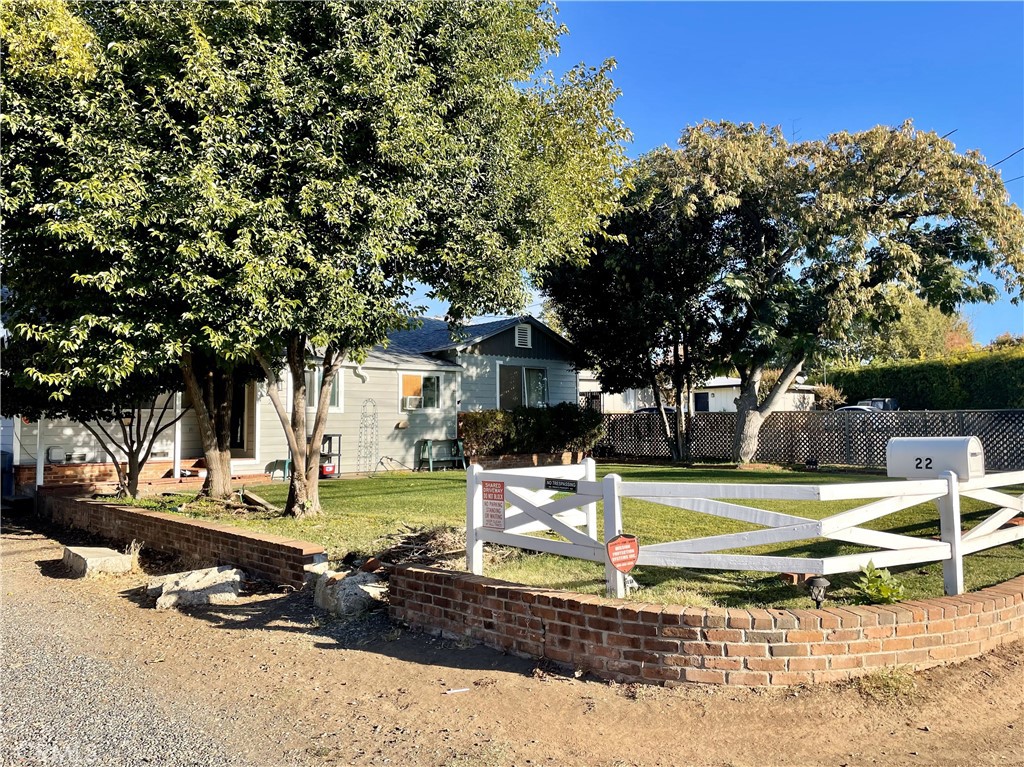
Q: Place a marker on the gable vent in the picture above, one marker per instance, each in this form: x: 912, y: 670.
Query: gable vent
x: 524, y: 339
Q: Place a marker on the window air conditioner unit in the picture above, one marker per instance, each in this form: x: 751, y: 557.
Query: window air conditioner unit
x: 412, y: 403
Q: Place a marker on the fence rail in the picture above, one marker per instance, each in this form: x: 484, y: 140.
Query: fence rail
x: 503, y: 507
x: 848, y: 438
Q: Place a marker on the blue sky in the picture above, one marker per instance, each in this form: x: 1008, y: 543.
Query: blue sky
x: 817, y: 68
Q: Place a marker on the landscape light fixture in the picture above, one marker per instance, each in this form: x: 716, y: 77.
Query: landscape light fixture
x: 127, y: 417
x: 818, y: 585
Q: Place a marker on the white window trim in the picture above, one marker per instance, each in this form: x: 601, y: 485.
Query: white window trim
x: 318, y: 375
x: 422, y: 374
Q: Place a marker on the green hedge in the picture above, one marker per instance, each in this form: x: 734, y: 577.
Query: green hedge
x: 552, y: 429
x: 976, y: 381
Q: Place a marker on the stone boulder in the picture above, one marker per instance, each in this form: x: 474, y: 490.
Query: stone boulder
x: 211, y: 586
x: 348, y: 593
x: 93, y: 560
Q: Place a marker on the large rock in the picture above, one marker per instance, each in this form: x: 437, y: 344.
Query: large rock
x: 348, y: 593
x: 92, y: 560
x: 212, y: 586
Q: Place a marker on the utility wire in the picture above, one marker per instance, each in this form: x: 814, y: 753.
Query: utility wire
x: 1007, y: 157
x: 1018, y: 178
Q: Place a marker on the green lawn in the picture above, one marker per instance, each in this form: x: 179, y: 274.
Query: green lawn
x: 363, y: 516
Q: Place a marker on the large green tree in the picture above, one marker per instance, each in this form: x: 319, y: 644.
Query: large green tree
x: 812, y: 237
x: 636, y: 311
x: 265, y: 181
x: 919, y: 331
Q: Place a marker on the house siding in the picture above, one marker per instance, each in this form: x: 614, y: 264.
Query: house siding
x: 503, y: 344
x: 480, y: 380
x: 382, y: 389
x: 75, y: 439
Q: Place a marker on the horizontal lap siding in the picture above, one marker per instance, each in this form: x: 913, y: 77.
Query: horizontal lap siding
x: 480, y: 380
x: 394, y: 439
x: 76, y: 439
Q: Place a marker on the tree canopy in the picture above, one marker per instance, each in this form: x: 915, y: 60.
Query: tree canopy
x: 806, y: 240
x: 636, y: 311
x: 222, y: 182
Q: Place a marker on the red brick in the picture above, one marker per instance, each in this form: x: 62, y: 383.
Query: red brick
x: 807, y: 664
x: 703, y: 676
x: 739, y: 619
x: 681, y: 632
x: 702, y: 648
x: 791, y: 677
x: 789, y: 650
x: 766, y: 664
x: 746, y: 650
x: 723, y: 635
x: 797, y: 635
x: 747, y: 678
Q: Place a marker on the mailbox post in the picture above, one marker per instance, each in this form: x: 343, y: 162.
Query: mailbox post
x: 954, y: 459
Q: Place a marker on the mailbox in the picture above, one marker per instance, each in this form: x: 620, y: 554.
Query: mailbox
x: 928, y: 457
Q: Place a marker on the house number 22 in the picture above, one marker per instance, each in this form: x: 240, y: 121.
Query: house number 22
x: 922, y: 463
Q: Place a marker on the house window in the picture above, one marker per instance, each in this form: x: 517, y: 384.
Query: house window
x: 524, y: 337
x: 420, y: 391
x: 519, y: 386
x: 313, y: 379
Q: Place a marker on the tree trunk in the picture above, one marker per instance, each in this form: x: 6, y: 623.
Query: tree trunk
x: 304, y: 488
x: 749, y: 416
x: 133, y: 474
x: 664, y: 416
x: 748, y: 420
x: 210, y: 391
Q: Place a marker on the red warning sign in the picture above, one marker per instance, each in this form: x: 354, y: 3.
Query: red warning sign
x: 623, y: 551
x: 494, y: 504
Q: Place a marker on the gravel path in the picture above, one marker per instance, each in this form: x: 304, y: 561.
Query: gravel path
x: 61, y: 707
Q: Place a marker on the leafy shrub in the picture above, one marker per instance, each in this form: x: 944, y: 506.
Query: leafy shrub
x: 829, y: 397
x: 989, y: 379
x: 531, y: 430
x: 877, y: 586
x: 484, y: 432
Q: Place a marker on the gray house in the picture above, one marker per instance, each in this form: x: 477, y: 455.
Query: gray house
x: 504, y: 364
x: 379, y: 411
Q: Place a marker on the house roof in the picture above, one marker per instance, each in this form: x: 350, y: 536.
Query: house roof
x: 434, y: 335
x: 379, y: 357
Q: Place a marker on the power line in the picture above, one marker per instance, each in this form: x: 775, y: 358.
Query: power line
x: 1018, y: 178
x: 1007, y: 157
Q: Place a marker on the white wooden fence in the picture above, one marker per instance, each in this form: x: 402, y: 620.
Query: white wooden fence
x: 504, y: 506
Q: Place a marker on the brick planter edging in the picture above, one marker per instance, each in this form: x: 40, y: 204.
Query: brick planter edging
x: 637, y: 642
x: 274, y: 557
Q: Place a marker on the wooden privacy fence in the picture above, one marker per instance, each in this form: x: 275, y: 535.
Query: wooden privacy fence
x: 505, y: 507
x: 848, y: 438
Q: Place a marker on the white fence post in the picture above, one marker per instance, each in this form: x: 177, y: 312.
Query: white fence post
x: 474, y: 520
x: 949, y: 526
x: 615, y: 582
x: 590, y: 474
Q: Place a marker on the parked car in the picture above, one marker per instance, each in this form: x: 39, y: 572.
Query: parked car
x: 859, y: 409
x: 881, y: 403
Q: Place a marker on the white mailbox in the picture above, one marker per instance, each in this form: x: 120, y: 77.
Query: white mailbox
x: 920, y: 457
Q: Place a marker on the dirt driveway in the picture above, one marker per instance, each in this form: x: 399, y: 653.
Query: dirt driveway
x: 274, y: 682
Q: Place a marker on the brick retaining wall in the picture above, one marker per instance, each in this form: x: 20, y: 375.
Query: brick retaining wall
x: 633, y: 641
x: 274, y: 557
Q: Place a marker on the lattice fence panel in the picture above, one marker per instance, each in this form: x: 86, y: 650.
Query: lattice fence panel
x: 850, y: 438
x: 638, y: 435
x: 1002, y: 434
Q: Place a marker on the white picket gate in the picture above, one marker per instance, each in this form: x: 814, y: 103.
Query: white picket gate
x: 532, y: 507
